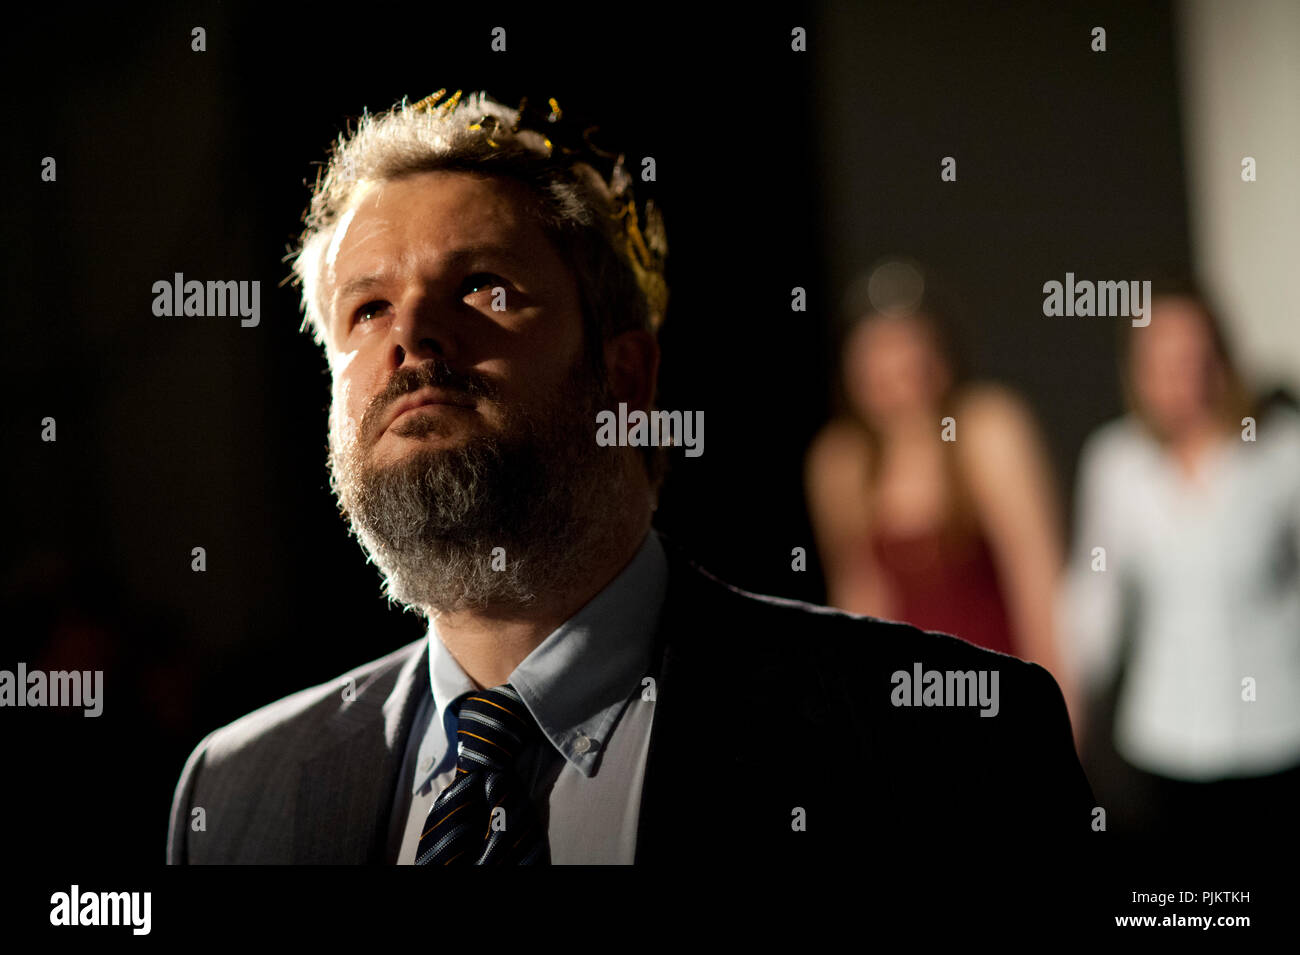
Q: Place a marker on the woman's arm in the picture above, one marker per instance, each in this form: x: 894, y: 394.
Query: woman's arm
x: 837, y: 486
x: 1015, y: 496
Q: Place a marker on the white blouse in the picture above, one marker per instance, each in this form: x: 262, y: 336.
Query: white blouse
x: 1212, y: 567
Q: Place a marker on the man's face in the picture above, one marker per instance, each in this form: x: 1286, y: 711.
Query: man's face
x: 412, y: 275
x: 461, y: 434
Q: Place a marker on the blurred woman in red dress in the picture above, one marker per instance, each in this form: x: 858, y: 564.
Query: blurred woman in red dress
x: 932, y: 499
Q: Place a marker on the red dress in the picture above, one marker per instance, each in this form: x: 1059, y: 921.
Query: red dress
x: 946, y: 585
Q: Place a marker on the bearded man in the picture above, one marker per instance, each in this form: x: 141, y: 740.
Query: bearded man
x: 484, y: 284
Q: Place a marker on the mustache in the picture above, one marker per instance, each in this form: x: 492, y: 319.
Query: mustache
x: 435, y: 373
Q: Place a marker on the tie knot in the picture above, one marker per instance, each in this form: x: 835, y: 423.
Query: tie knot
x: 492, y: 727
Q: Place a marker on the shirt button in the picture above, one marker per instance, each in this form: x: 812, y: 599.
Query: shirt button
x: 582, y: 744
x: 426, y: 764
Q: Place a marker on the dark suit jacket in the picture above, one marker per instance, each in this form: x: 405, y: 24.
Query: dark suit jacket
x: 764, y: 707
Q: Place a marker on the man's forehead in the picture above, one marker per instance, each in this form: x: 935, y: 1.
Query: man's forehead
x: 451, y: 202
x: 446, y: 212
x: 450, y: 215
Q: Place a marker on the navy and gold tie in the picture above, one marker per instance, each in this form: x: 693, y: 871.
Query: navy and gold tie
x: 485, y: 817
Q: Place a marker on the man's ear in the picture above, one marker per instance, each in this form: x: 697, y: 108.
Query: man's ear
x: 632, y: 364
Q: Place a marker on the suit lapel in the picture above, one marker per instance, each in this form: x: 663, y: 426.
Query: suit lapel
x: 744, y: 732
x: 722, y: 759
x: 347, y: 784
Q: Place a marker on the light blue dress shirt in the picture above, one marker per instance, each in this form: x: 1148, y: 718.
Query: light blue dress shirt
x: 584, y: 686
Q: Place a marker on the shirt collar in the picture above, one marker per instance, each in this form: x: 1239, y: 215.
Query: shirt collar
x: 576, y: 681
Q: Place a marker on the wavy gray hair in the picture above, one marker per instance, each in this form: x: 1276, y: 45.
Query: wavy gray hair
x: 574, y: 206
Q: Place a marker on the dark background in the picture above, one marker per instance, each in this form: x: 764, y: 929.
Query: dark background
x: 775, y: 169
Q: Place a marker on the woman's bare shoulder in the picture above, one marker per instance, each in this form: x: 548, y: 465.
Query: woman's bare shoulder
x: 997, y: 435
x: 839, y: 442
x: 988, y: 403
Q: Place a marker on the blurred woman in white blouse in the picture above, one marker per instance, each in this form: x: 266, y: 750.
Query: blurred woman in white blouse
x: 1184, y: 567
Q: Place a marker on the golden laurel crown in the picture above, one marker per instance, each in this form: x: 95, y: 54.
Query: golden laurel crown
x: 641, y: 225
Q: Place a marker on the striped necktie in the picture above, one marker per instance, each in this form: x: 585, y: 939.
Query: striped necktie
x: 485, y: 816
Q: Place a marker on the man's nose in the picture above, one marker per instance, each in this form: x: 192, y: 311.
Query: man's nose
x: 422, y: 331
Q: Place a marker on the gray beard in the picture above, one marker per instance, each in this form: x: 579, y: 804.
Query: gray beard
x: 541, y: 490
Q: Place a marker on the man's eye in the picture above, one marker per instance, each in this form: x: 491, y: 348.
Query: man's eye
x: 479, y: 282
x: 366, y: 312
